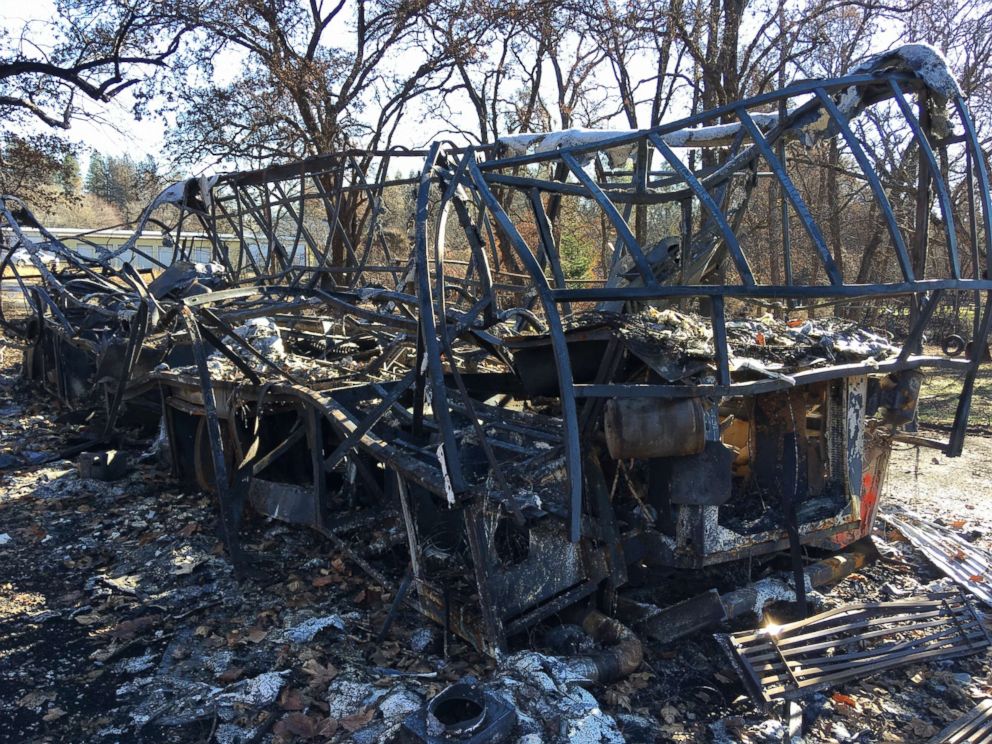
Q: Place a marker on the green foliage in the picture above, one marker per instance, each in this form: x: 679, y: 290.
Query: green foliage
x: 576, y: 258
x: 38, y: 168
x: 941, y: 392
x: 68, y: 176
x: 124, y: 183
x: 97, y: 175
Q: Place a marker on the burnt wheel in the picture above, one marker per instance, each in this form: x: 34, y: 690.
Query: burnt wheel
x: 952, y: 345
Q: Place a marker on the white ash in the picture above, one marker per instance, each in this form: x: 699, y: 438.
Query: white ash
x: 399, y: 703
x: 770, y: 730
x: 619, y: 154
x: 550, y: 702
x: 840, y: 732
x: 229, y: 733
x: 159, y: 448
x: 106, y: 733
x: 923, y: 60
x: 762, y: 368
x: 22, y: 256
x: 519, y: 144
x: 374, y: 733
x: 262, y: 334
x: 771, y: 590
x: 256, y: 692
x: 171, y: 701
x: 219, y: 662
x: 134, y: 685
x: 530, y: 739
x: 421, y: 639
x: 716, y: 133
x: 185, y: 559
x: 307, y: 630
x: 137, y: 664
x: 345, y: 698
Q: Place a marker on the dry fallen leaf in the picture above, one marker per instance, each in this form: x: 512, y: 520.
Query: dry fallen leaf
x: 257, y: 635
x: 327, y: 727
x: 922, y: 729
x: 290, y: 699
x: 958, y: 523
x: 231, y: 674
x: 295, y: 724
x: 304, y: 727
x: 356, y: 721
x: 840, y: 697
x: 35, y: 698
x: 320, y: 674
x: 186, y: 561
x: 617, y: 699
x: 130, y: 628
x: 53, y: 714
x: 977, y: 579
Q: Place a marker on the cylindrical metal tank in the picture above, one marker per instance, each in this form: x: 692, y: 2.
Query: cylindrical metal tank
x: 652, y: 427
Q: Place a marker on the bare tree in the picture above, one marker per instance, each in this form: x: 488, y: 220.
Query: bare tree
x: 100, y: 50
x: 307, y: 73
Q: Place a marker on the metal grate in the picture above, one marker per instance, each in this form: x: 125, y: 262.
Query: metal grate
x: 975, y: 727
x: 789, y: 661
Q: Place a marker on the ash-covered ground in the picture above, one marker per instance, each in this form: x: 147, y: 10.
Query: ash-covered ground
x: 121, y: 621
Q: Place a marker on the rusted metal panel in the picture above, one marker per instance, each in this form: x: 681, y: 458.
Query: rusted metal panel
x: 967, y: 564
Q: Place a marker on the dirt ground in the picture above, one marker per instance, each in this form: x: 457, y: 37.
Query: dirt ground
x: 120, y: 621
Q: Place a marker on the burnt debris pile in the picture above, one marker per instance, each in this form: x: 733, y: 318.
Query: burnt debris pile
x: 392, y: 339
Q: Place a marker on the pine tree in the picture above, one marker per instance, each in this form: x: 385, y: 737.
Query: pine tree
x: 68, y: 175
x: 96, y: 175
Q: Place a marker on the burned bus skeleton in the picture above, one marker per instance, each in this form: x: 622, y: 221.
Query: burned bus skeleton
x: 403, y: 364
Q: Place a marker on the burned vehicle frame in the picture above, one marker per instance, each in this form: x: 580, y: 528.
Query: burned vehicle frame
x: 403, y: 363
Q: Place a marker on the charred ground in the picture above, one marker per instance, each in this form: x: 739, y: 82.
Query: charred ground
x: 122, y: 621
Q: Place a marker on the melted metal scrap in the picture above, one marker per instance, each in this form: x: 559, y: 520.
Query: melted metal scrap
x: 968, y: 565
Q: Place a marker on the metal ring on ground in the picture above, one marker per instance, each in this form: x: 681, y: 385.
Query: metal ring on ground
x: 459, y: 710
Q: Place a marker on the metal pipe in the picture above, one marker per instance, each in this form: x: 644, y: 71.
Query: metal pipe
x: 702, y: 611
x: 622, y: 658
x: 754, y: 597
